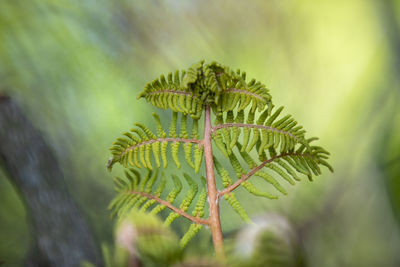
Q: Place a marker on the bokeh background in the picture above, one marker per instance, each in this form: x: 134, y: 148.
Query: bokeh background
x: 76, y: 67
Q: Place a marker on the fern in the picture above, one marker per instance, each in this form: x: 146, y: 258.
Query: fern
x: 256, y: 138
x: 268, y: 130
x: 136, y: 192
x: 135, y: 147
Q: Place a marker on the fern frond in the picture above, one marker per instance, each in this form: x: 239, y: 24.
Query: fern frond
x: 305, y: 160
x: 134, y: 149
x: 143, y: 188
x: 175, y: 93
x: 256, y: 138
x: 231, y: 90
x: 139, y: 193
x: 214, y: 84
x: 266, y: 132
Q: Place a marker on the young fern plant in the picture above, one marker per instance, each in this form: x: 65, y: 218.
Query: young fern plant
x: 250, y: 132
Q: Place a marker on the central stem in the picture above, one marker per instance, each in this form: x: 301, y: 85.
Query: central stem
x: 213, y: 200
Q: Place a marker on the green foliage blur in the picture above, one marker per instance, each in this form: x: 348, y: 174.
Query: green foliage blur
x: 76, y: 67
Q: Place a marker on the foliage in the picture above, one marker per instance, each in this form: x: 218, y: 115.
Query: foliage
x: 136, y: 192
x: 246, y: 123
x: 76, y: 68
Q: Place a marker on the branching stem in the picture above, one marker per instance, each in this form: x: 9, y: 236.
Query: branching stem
x: 213, y: 200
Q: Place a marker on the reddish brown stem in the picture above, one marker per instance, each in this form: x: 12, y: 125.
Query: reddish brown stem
x: 172, y: 207
x: 213, y: 200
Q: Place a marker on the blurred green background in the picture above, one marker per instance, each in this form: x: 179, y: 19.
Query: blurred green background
x: 76, y: 67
